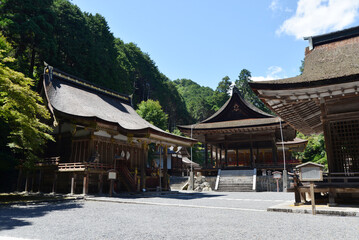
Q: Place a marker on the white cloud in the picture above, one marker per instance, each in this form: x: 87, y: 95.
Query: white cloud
x: 276, y: 6
x: 315, y: 17
x: 273, y: 72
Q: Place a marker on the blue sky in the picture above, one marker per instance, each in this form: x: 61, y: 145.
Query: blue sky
x: 205, y: 40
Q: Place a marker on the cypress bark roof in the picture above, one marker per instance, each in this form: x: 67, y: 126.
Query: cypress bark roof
x: 235, y: 113
x: 75, y: 97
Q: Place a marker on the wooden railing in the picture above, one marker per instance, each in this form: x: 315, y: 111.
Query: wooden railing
x: 82, y: 166
x: 51, y: 161
x: 342, y: 178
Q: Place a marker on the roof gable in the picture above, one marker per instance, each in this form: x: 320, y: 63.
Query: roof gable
x: 236, y: 108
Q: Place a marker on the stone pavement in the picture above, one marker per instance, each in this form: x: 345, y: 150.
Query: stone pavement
x: 340, y: 210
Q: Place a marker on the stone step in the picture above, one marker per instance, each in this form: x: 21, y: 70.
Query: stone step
x: 237, y: 173
x: 236, y: 180
x: 235, y: 190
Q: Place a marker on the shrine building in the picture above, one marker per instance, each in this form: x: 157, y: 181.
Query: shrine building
x: 96, y: 130
x: 241, y: 136
x: 324, y: 99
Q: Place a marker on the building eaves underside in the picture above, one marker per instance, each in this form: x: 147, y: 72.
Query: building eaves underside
x: 300, y: 107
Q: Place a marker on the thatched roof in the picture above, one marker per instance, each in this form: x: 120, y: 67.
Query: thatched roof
x: 331, y: 70
x: 329, y: 62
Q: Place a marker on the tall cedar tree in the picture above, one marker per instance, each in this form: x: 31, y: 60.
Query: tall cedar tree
x: 242, y: 83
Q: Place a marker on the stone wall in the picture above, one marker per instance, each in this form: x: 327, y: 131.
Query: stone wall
x: 269, y: 184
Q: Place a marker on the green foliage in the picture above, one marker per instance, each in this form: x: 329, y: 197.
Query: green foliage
x: 198, y: 99
x: 29, y: 27
x: 152, y: 112
x: 198, y: 153
x: 224, y: 86
x: 177, y: 132
x: 221, y: 95
x: 301, y: 68
x: 20, y: 111
x: 150, y: 83
x: 58, y: 32
x: 242, y: 83
x: 315, y: 150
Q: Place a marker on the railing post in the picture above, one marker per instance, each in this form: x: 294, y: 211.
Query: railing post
x: 73, y: 184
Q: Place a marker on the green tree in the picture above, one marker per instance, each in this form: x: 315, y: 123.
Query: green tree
x: 198, y: 99
x: 28, y: 26
x: 314, y: 151
x: 242, y: 84
x: 21, y: 110
x: 152, y: 112
x: 224, y: 86
x: 221, y: 95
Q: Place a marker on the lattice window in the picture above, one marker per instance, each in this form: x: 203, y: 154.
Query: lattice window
x: 345, y: 145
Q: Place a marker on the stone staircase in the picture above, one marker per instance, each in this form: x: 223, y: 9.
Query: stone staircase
x: 236, y: 181
x: 177, y: 183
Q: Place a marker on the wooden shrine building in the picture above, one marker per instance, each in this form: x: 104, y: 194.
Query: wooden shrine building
x: 96, y: 130
x: 324, y: 99
x: 239, y: 135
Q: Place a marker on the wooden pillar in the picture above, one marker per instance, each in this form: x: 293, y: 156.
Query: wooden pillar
x: 251, y: 152
x: 274, y: 152
x: 59, y: 140
x: 327, y: 136
x: 54, y: 183
x: 85, y: 184
x: 211, y: 156
x: 237, y: 157
x: 226, y: 155
x: 220, y: 157
x: 165, y: 169
x: 73, y: 184
x: 143, y: 165
x: 91, y: 145
x: 217, y: 162
x: 100, y: 183
x: 206, y: 155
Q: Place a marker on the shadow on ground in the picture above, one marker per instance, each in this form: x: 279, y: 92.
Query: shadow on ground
x: 171, y: 195
x: 13, y: 216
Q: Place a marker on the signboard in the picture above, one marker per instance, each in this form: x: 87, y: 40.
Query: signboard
x: 112, y: 175
x: 277, y: 175
x: 311, y: 174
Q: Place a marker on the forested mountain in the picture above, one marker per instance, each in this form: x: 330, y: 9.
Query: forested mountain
x: 58, y: 32
x: 81, y: 44
x: 198, y: 99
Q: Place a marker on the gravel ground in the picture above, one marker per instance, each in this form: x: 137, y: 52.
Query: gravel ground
x: 179, y: 216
